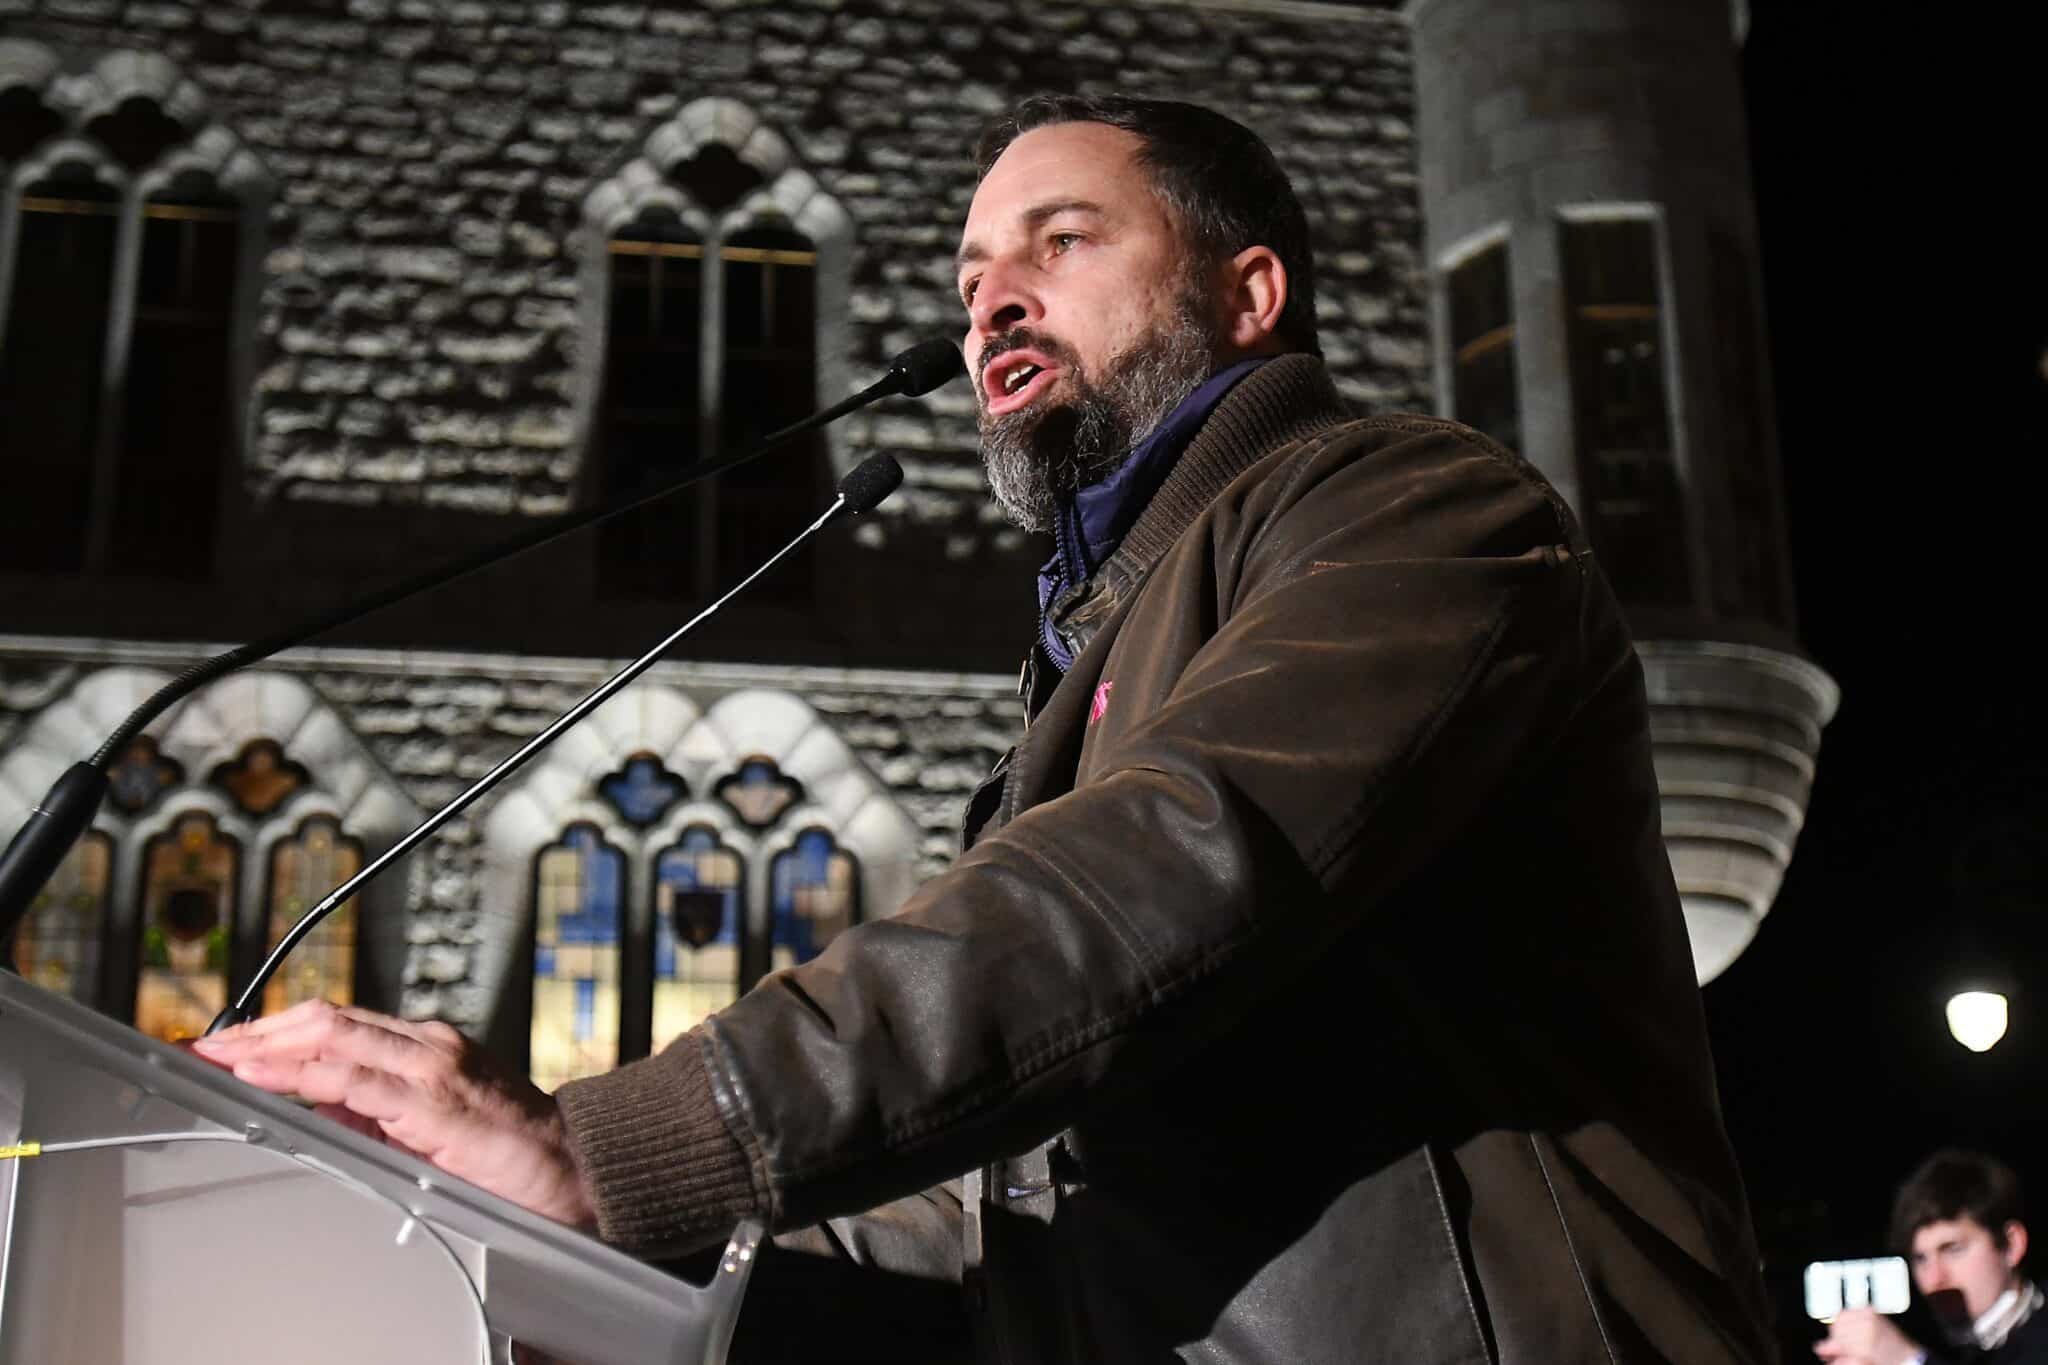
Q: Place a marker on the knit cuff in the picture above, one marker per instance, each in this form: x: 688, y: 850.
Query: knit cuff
x: 665, y: 1171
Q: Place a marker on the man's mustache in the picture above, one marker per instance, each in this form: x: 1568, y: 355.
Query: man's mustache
x: 1021, y: 339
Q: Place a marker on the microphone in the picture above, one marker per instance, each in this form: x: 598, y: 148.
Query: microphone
x: 874, y: 479
x: 62, y: 816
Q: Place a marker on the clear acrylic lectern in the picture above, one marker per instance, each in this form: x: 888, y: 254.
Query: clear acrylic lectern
x: 305, y: 1242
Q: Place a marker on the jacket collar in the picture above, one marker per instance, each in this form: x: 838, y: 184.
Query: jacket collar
x: 1088, y: 525
x: 1283, y: 401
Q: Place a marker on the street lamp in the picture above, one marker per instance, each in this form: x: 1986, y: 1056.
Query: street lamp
x: 1977, y: 1019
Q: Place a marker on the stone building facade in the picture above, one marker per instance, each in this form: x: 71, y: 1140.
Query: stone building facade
x: 432, y: 204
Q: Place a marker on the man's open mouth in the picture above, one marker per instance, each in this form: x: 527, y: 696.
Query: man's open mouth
x: 1012, y: 381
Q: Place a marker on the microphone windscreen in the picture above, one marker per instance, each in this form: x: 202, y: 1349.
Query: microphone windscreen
x: 872, y: 479
x: 927, y: 365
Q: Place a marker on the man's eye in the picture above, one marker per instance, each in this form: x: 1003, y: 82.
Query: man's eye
x: 1064, y: 241
x: 967, y: 290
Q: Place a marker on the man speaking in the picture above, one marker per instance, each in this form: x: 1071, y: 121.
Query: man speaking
x: 1313, y: 986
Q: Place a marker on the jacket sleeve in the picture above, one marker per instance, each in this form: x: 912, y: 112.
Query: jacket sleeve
x: 1400, y: 634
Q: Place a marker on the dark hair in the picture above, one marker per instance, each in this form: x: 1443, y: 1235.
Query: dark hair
x: 1955, y: 1184
x: 1221, y: 182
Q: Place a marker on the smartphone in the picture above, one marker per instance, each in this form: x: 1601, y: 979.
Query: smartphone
x: 1880, y: 1283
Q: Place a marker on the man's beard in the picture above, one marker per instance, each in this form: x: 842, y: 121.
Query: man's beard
x: 1048, y: 451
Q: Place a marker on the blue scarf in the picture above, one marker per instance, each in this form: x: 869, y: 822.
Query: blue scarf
x: 1087, y: 527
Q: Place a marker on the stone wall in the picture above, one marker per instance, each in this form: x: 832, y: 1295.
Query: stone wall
x: 437, y: 722
x: 419, y: 320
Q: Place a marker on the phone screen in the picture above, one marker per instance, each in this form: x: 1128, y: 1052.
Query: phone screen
x: 1881, y: 1283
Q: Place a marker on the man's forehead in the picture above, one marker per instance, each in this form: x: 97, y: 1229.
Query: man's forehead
x: 1073, y: 164
x: 1946, y: 1230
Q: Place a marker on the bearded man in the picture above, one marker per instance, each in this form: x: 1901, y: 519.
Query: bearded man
x: 1312, y: 986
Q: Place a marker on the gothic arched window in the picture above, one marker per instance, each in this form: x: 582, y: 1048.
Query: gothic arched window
x: 124, y: 251
x: 312, y: 861
x: 140, y: 776
x: 642, y: 790
x: 58, y: 944
x: 246, y: 807
x: 190, y: 876
x: 579, y: 897
x: 710, y: 281
x: 767, y: 839
x: 52, y: 356
x: 814, y: 896
x: 770, y: 379
x: 177, y: 408
x: 700, y: 889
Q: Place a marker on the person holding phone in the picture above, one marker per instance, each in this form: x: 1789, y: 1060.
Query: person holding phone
x: 1959, y: 1221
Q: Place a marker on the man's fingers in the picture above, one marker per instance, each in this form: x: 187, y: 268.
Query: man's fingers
x: 363, y: 1090
x: 264, y: 1025
x: 323, y: 1032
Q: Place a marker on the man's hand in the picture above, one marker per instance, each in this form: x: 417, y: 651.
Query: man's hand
x: 423, y: 1087
x: 1864, y: 1336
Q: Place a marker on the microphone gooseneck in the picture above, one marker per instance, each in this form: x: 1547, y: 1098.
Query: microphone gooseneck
x: 63, y: 815
x: 874, y: 479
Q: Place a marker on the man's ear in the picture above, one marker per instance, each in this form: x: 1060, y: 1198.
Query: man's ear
x: 2015, y: 1243
x: 1255, y: 294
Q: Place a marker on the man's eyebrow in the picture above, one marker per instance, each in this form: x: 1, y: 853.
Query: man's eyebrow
x: 1035, y: 216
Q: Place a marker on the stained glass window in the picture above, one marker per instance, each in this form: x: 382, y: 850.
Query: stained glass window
x: 642, y: 791
x: 303, y: 868
x: 699, y: 911
x: 579, y: 891
x: 758, y: 792
x: 814, y: 894
x: 141, y: 776
x: 58, y: 944
x: 189, y: 876
x: 260, y: 778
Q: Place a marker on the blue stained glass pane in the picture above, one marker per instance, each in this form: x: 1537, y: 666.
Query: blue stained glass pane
x: 677, y: 871
x: 803, y: 893
x: 643, y: 792
x: 586, y: 1010
x: 596, y: 919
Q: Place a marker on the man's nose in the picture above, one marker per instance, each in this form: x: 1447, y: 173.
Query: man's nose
x: 1003, y: 299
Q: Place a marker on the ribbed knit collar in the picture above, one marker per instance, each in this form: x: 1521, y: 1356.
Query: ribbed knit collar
x: 1088, y: 525
x: 1283, y: 401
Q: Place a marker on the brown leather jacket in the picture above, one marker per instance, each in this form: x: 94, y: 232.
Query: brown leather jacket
x: 1320, y: 957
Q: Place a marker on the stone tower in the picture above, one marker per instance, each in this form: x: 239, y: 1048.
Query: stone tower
x: 1592, y: 247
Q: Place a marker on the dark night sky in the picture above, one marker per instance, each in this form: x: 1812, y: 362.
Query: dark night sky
x: 1908, y: 318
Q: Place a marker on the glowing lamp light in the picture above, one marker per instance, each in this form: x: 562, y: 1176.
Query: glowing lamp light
x: 1977, y: 1019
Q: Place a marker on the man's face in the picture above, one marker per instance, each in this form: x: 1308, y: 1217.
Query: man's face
x: 1087, y: 321
x: 1961, y: 1269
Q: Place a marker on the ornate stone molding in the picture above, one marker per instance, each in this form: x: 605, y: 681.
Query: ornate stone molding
x: 1735, y: 731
